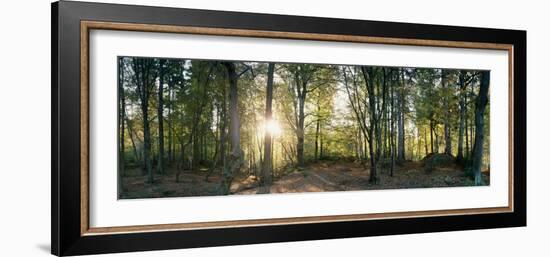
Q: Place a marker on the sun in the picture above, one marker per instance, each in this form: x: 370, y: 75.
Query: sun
x: 272, y: 127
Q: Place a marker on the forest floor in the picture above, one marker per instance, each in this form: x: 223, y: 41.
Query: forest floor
x: 321, y: 176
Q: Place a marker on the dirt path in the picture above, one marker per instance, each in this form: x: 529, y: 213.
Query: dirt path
x: 347, y: 176
x: 321, y: 176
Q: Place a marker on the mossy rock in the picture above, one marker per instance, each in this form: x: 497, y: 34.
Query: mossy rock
x: 436, y: 160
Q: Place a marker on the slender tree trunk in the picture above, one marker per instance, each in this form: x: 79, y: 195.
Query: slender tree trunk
x: 217, y: 143
x: 122, y: 114
x: 432, y: 135
x: 368, y: 74
x: 365, y: 146
x: 147, y: 139
x: 447, y: 128
x: 471, y: 126
x: 160, y: 118
x: 321, y: 149
x: 425, y: 142
x: 481, y: 103
x: 131, y: 135
x: 223, y: 133
x: 437, y: 141
x: 462, y: 105
x: 418, y: 144
x: 300, y: 128
x: 266, y: 179
x: 392, y: 131
x: 401, y: 120
x: 317, y: 129
x: 466, y: 128
x: 380, y: 113
x: 170, y: 105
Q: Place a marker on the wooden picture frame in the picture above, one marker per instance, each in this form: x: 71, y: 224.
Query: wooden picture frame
x: 71, y: 24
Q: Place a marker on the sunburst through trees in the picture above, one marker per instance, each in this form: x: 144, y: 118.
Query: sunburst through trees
x: 204, y: 127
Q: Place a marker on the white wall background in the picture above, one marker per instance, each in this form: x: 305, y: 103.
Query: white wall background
x: 25, y: 127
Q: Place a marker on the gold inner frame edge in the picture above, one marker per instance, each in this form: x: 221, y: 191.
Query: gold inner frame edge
x: 86, y: 26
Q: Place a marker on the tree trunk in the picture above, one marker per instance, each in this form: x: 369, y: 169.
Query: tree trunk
x: 142, y: 69
x: 401, y: 120
x: 317, y: 129
x: 160, y: 118
x: 321, y: 149
x: 425, y: 142
x: 266, y: 179
x: 170, y: 104
x: 373, y: 176
x: 432, y: 135
x: 461, y: 105
x: 131, y: 135
x: 447, y: 128
x: 147, y: 138
x: 368, y: 74
x: 236, y: 156
x: 481, y: 103
x: 122, y: 114
x: 466, y: 129
x: 223, y: 133
x: 437, y: 142
x: 392, y: 130
x: 300, y: 128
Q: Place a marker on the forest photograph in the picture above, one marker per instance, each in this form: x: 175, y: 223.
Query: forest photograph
x: 189, y: 127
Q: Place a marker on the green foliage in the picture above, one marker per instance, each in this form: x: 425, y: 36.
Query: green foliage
x: 337, y: 119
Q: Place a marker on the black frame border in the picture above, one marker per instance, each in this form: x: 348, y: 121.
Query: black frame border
x: 66, y: 238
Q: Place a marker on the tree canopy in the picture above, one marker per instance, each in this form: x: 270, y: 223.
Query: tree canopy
x: 237, y: 119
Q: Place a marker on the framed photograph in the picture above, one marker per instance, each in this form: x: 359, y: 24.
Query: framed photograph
x: 178, y: 128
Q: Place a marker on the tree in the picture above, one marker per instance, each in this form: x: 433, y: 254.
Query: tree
x: 143, y: 69
x: 392, y: 127
x: 376, y: 108
x: 160, y: 116
x: 211, y: 118
x: 236, y: 155
x: 266, y: 178
x: 323, y: 106
x: 446, y: 92
x: 481, y: 103
x: 401, y: 119
x: 357, y: 101
x: 301, y: 75
x: 121, y: 116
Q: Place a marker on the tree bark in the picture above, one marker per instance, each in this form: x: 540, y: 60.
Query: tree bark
x: 131, y: 134
x: 300, y: 127
x: 425, y: 142
x: 447, y: 129
x: 170, y: 139
x: 223, y: 132
x: 461, y: 105
x: 481, y: 103
x: 160, y: 118
x: 466, y: 127
x: 368, y: 74
x: 236, y: 156
x: 432, y: 136
x: 401, y: 120
x: 142, y: 69
x: 392, y: 130
x: 317, y: 128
